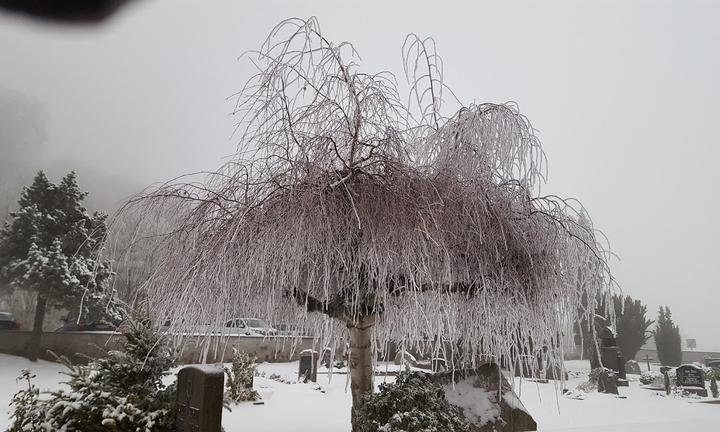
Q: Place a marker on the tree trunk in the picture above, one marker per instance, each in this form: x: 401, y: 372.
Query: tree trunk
x: 361, y: 373
x: 34, y: 347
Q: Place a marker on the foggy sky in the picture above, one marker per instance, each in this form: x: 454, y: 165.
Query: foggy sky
x: 625, y: 99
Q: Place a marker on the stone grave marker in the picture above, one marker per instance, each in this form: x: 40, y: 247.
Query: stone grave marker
x: 610, y: 354
x: 308, y: 366
x: 438, y: 364
x: 607, y: 381
x: 622, y: 376
x: 487, y: 399
x: 691, y: 378
x: 632, y: 367
x: 326, y: 357
x: 199, y: 399
x: 647, y: 360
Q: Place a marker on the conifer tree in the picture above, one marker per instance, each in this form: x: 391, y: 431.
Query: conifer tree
x: 50, y: 246
x: 632, y: 325
x: 667, y: 339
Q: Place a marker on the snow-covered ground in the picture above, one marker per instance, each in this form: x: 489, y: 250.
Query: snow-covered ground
x: 325, y: 407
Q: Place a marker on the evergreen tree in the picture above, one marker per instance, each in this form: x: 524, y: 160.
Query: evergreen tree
x: 631, y: 324
x: 667, y: 339
x: 123, y: 391
x: 49, y: 246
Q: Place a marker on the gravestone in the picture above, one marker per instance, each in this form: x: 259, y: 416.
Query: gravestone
x: 691, y: 378
x: 632, y: 367
x: 647, y: 360
x: 607, y: 382
x: 199, y: 399
x: 609, y: 353
x: 405, y: 358
x: 487, y: 399
x: 326, y: 357
x: 308, y: 366
x: 622, y: 376
x: 438, y: 364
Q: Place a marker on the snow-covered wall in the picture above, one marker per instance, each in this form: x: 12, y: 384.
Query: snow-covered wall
x: 194, y: 348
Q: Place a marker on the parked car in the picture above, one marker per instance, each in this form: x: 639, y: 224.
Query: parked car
x: 251, y: 327
x: 284, y: 329
x: 86, y: 327
x: 7, y: 321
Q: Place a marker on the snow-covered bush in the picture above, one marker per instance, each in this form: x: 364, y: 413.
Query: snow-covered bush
x: 650, y: 377
x: 122, y: 392
x: 240, y: 375
x: 711, y: 373
x: 594, y: 375
x: 412, y: 404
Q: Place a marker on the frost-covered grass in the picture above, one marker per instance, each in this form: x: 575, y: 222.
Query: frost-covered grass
x: 325, y: 407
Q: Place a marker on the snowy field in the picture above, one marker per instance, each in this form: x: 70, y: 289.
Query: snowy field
x: 325, y: 407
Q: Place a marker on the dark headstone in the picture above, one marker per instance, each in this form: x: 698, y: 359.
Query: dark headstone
x: 438, y: 365
x: 557, y: 372
x: 199, y: 399
x: 487, y: 379
x: 621, y: 366
x: 632, y: 367
x: 326, y: 357
x: 607, y: 382
x: 308, y: 366
x: 622, y: 377
x: 609, y: 356
x: 691, y: 378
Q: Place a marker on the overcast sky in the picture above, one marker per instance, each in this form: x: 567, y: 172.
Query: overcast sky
x: 626, y: 100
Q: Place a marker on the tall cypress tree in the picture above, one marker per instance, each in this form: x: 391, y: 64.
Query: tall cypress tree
x: 667, y: 338
x: 632, y: 325
x: 49, y: 246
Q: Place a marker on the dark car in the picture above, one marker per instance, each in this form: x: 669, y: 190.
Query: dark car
x: 7, y: 321
x: 82, y: 327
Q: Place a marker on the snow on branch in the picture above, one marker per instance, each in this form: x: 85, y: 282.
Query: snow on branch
x: 342, y: 199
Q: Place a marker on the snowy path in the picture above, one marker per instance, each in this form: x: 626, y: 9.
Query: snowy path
x: 325, y: 407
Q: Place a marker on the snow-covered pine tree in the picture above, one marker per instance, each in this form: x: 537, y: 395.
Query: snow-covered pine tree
x: 123, y: 391
x: 50, y: 246
x: 667, y: 339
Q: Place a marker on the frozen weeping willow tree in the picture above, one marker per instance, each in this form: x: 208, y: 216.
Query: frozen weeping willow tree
x: 382, y: 212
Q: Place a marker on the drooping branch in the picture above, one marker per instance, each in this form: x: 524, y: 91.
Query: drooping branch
x: 345, y: 201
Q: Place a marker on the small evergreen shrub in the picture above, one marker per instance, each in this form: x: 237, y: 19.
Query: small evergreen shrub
x: 238, y: 384
x: 649, y: 377
x: 122, y: 392
x: 412, y: 404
